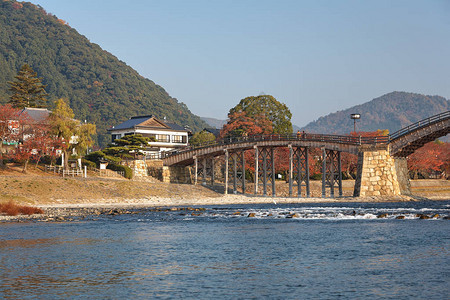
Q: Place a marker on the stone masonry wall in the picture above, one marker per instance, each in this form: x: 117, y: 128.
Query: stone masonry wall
x: 376, y: 174
x: 178, y: 174
x: 155, y: 169
x: 401, y: 166
x: 139, y: 167
x: 170, y: 174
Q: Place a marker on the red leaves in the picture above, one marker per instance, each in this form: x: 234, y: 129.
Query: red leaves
x: 10, y: 123
x: 12, y: 209
x: 240, y: 124
x: 32, y: 138
x: 17, y: 5
x: 434, y: 156
x: 379, y: 132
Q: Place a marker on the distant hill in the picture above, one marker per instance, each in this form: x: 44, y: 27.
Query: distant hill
x: 392, y: 111
x: 215, y: 123
x: 101, y: 88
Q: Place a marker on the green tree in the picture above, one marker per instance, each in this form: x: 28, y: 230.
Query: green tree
x: 84, y: 134
x: 128, y: 146
x: 266, y: 105
x: 73, y: 134
x: 27, y: 89
x: 202, y: 137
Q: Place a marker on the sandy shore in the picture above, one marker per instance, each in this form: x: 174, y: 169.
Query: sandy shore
x: 220, y: 200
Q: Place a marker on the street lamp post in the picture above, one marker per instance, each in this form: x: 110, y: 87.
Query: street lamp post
x: 355, y: 117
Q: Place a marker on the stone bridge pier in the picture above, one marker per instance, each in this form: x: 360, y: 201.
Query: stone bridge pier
x: 380, y: 174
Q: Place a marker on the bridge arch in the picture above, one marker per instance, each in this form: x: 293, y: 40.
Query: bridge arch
x: 339, y: 143
x: 407, y: 140
x: 382, y: 168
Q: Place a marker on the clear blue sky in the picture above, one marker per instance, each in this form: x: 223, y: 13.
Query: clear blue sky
x: 315, y: 56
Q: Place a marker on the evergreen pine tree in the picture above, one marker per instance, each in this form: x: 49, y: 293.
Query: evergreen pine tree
x: 28, y: 91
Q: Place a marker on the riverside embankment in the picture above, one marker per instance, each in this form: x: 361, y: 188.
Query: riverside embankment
x: 54, y: 193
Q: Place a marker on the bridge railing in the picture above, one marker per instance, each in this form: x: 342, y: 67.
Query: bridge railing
x: 339, y: 139
x: 420, y: 124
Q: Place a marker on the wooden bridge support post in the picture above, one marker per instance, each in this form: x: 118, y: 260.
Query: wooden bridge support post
x: 238, y: 171
x: 301, y: 170
x: 264, y: 166
x: 330, y: 179
x: 256, y: 169
x: 339, y: 173
x: 204, y: 170
x: 195, y: 170
x: 234, y: 158
x: 291, y: 167
x: 213, y: 167
x: 243, y: 172
x: 324, y: 171
x: 331, y: 172
x: 264, y: 169
x: 274, y: 175
x: 306, y: 165
x: 226, y: 172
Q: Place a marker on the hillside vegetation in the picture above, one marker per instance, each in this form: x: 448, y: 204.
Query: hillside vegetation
x: 392, y: 111
x: 100, y: 88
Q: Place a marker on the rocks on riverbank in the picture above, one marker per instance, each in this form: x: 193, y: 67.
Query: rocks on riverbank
x: 97, y: 212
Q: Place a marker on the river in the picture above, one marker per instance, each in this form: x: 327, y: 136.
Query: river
x: 326, y: 251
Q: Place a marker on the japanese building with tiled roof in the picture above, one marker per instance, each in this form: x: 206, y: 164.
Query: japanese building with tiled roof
x: 168, y: 136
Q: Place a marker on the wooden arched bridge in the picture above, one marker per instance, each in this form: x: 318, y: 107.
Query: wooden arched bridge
x: 381, y: 160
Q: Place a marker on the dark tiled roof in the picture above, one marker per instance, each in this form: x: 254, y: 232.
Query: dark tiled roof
x: 175, y: 126
x: 134, y: 121
x: 214, y: 131
x: 130, y: 123
x: 37, y: 114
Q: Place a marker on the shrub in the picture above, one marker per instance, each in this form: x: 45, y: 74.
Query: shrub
x: 113, y: 159
x: 128, y: 173
x: 46, y: 160
x: 95, y: 157
x: 12, y: 209
x: 317, y: 176
x: 88, y: 163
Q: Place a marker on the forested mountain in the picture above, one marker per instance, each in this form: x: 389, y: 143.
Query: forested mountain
x: 100, y: 88
x: 392, y: 111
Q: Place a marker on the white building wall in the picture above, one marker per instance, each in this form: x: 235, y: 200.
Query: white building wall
x: 164, y: 146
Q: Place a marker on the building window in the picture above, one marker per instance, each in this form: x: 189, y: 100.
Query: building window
x: 150, y: 135
x: 164, y: 138
x: 179, y: 139
x: 115, y: 137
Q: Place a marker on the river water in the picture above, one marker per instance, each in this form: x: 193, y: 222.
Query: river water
x: 329, y: 251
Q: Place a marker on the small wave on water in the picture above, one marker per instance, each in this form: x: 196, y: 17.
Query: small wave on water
x: 312, y: 212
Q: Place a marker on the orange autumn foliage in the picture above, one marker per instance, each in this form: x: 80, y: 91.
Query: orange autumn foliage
x: 433, y: 156
x: 12, y: 209
x: 239, y: 124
